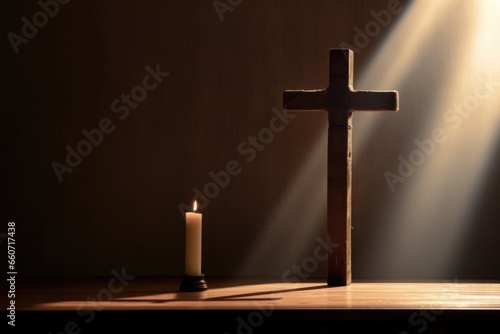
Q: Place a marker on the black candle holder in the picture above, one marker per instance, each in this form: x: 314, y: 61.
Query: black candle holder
x: 193, y: 283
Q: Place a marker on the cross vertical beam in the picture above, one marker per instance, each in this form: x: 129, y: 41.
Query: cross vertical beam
x: 340, y: 100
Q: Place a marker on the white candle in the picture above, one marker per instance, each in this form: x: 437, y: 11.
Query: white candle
x: 193, y: 243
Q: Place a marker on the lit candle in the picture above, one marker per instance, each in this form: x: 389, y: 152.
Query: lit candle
x: 193, y: 242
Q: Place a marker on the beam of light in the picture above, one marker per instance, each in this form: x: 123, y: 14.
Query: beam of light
x: 305, y: 197
x: 431, y: 215
x: 403, y: 45
x: 389, y: 65
x: 485, y: 132
x: 401, y: 58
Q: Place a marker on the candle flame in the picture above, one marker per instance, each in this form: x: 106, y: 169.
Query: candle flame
x: 195, y: 206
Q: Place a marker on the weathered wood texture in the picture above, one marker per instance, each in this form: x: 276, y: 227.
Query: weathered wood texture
x: 340, y: 100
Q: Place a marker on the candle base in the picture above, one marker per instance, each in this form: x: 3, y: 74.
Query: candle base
x: 193, y: 283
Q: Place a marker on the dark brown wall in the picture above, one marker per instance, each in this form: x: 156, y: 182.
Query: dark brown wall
x: 119, y: 207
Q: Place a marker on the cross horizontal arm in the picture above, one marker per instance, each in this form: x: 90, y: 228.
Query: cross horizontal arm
x: 352, y: 100
x: 304, y: 99
x: 366, y: 100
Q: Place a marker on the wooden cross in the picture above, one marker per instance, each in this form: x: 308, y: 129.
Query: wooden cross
x: 340, y: 100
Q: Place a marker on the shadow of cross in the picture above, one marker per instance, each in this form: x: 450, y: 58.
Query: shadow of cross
x: 340, y: 100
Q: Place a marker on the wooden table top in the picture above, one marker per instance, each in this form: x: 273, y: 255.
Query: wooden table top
x: 162, y: 293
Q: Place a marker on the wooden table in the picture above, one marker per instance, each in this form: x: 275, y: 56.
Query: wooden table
x: 251, y: 305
